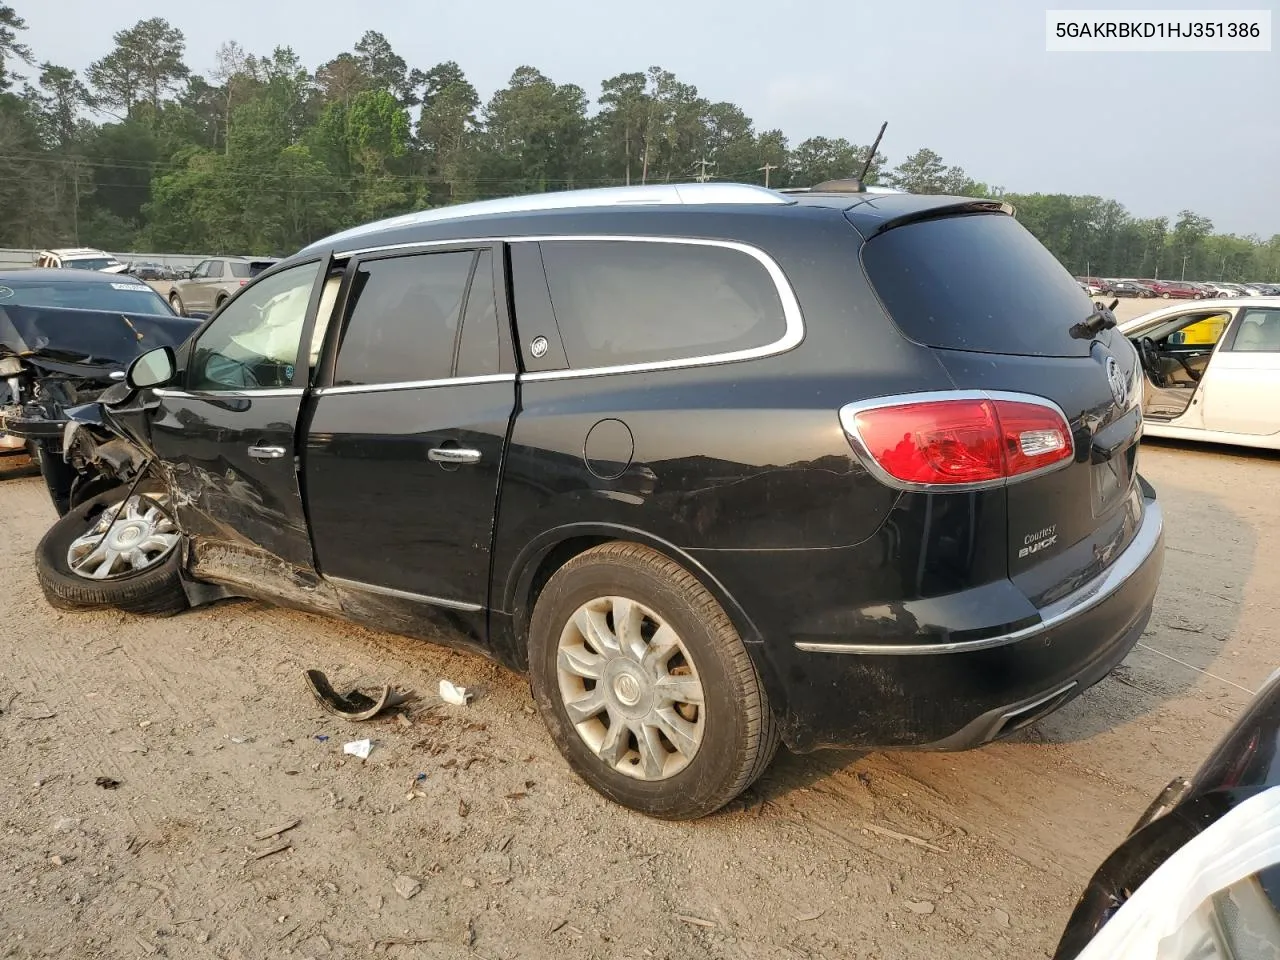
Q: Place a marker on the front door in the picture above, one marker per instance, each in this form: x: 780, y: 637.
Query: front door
x: 1241, y: 390
x: 404, y: 446
x: 225, y: 433
x: 1175, y: 353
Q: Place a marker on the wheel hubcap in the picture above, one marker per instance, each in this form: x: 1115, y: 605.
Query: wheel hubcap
x: 128, y: 538
x: 630, y: 688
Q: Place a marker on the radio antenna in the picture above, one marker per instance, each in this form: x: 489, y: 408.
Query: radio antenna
x: 871, y: 154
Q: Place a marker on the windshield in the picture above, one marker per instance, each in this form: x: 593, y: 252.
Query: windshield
x: 92, y: 263
x: 123, y: 296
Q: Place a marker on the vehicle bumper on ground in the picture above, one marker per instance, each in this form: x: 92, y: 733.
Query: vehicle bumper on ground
x: 953, y: 696
x: 20, y: 422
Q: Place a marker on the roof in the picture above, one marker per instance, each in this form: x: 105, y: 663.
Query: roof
x: 522, y: 215
x: 73, y: 253
x: 53, y: 275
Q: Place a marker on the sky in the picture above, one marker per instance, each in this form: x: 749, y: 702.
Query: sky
x: 1160, y: 132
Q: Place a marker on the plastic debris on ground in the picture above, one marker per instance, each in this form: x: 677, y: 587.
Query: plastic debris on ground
x: 358, y: 748
x: 354, y: 705
x: 451, y: 693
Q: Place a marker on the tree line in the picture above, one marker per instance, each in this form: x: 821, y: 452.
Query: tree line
x: 263, y: 155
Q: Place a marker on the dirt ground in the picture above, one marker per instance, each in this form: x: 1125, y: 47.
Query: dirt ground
x: 206, y: 723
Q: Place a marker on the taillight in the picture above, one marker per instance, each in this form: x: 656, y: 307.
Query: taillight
x: 958, y: 441
x: 243, y: 282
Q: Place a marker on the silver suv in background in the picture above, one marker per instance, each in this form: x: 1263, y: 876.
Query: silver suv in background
x: 211, y: 284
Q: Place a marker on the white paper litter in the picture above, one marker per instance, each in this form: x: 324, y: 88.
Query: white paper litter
x: 456, y: 695
x: 358, y: 748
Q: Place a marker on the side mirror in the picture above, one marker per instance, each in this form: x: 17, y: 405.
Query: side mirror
x: 154, y: 368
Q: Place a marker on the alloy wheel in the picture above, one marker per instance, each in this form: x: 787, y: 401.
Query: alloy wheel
x: 630, y: 688
x: 128, y: 538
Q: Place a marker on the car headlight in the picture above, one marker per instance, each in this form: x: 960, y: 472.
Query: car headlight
x: 10, y: 367
x: 1205, y: 902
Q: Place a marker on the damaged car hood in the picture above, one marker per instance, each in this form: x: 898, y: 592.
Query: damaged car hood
x: 82, y: 342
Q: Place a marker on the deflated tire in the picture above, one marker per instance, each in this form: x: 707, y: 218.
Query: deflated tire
x: 114, y: 552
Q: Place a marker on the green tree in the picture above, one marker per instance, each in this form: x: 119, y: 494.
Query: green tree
x: 10, y: 48
x: 60, y: 100
x: 818, y: 159
x: 385, y: 69
x: 536, y: 134
x: 619, y: 126
x: 447, y: 132
x: 146, y: 66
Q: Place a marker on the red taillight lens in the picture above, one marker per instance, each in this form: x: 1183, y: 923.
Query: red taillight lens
x: 961, y: 441
x: 243, y: 282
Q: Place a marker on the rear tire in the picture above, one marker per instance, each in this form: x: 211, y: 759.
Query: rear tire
x: 156, y: 590
x: 675, y: 758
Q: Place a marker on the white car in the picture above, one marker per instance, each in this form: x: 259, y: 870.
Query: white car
x: 81, y: 258
x: 1212, y: 370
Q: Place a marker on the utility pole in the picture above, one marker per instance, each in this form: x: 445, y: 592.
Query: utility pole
x: 765, y: 170
x: 703, y: 177
x: 1184, y: 266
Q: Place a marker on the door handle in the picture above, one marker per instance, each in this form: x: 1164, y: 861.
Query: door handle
x: 267, y: 453
x: 453, y: 455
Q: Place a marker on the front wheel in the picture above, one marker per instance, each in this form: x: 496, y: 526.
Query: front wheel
x: 114, y: 552
x: 645, y: 685
x: 175, y: 302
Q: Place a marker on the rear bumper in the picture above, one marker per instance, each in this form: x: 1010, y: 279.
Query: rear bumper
x: 951, y: 696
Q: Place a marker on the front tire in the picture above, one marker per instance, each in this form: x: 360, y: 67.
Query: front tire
x: 109, y: 552
x: 646, y: 686
x: 175, y: 302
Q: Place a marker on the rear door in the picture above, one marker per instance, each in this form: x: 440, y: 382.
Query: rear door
x: 202, y: 290
x: 406, y: 438
x: 1241, y: 388
x: 999, y: 312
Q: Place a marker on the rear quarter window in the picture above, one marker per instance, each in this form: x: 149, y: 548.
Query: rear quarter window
x: 979, y: 282
x: 626, y: 302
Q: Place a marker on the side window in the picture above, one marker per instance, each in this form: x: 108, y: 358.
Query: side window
x: 253, y: 344
x: 200, y: 269
x: 619, y: 302
x: 213, y: 270
x: 402, y: 324
x: 1204, y: 331
x: 1259, y: 331
x: 478, y: 347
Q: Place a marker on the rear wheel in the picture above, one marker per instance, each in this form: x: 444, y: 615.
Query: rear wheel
x: 645, y: 685
x: 114, y: 552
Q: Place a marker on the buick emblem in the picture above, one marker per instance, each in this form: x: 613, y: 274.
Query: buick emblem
x: 540, y: 345
x: 1119, y: 389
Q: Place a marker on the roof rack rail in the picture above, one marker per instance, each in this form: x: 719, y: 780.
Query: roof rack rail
x: 642, y: 195
x: 843, y: 186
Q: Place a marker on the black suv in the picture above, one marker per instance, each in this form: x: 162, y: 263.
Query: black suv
x: 717, y: 466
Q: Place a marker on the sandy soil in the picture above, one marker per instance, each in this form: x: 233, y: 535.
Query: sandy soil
x: 206, y: 723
